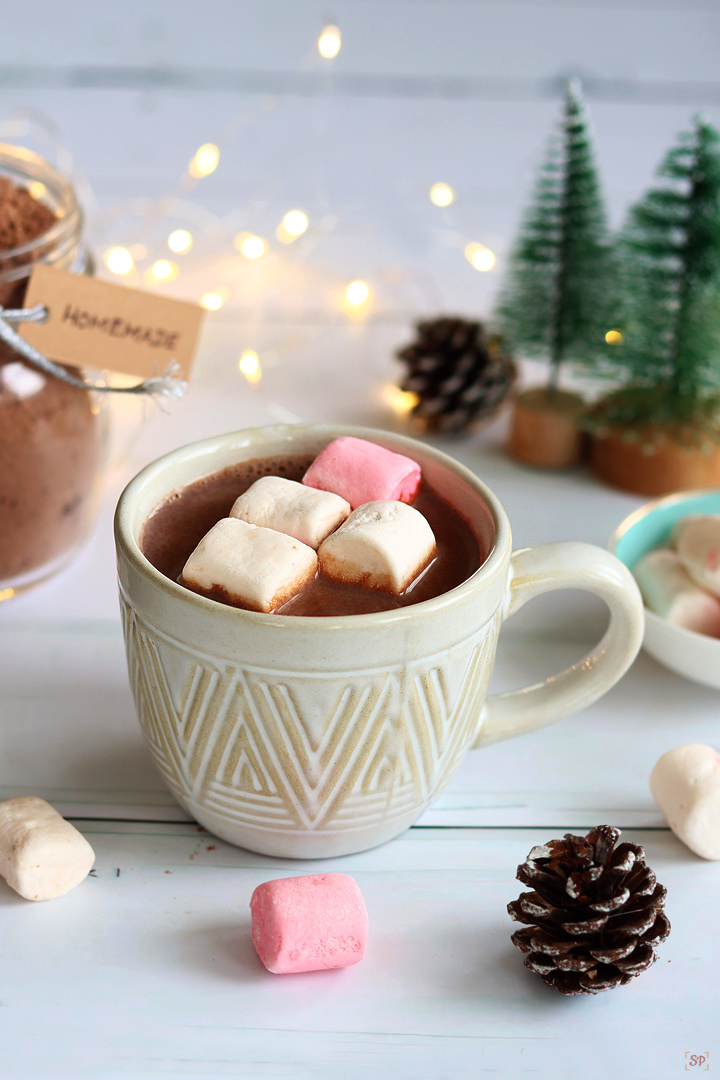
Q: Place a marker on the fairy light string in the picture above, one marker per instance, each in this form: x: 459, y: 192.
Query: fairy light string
x: 165, y: 243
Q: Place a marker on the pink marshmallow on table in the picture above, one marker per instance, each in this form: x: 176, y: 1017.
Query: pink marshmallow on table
x: 361, y: 472
x: 309, y: 923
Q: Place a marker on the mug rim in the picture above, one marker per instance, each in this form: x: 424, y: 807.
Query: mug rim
x: 130, y: 547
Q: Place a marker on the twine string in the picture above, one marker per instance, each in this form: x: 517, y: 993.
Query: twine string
x: 169, y: 384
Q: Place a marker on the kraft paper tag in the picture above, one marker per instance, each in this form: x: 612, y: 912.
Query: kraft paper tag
x: 94, y: 324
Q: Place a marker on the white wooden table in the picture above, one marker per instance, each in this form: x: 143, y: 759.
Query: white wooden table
x: 147, y: 969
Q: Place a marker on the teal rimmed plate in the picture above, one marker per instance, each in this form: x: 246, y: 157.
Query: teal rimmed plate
x: 695, y: 656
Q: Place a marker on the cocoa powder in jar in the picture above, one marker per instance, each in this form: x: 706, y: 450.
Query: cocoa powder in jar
x: 49, y: 437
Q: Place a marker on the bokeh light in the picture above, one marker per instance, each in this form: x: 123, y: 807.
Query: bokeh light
x: 205, y: 161
x: 400, y: 401
x: 480, y: 257
x: 180, y: 241
x: 252, y: 247
x: 214, y: 300
x: 442, y: 194
x: 329, y: 42
x: 163, y: 270
x: 249, y: 365
x: 357, y: 293
x: 36, y: 189
x: 119, y: 260
x: 295, y: 222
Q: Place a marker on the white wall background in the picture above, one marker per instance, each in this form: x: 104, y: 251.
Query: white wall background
x: 464, y: 91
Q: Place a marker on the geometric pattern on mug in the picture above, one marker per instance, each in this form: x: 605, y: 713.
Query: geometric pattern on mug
x: 319, y: 755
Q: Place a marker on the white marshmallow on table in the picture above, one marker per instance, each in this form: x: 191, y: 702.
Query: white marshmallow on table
x: 42, y: 855
x: 258, y: 568
x: 383, y: 545
x: 289, y: 507
x: 685, y: 784
x: 696, y: 540
x: 669, y: 592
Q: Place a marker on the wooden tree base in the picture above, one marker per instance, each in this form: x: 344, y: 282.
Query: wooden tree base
x: 665, y: 468
x: 546, y: 428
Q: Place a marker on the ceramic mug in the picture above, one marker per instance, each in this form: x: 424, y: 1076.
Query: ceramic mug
x: 320, y: 736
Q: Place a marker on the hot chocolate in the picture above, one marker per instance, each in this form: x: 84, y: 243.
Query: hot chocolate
x: 178, y: 524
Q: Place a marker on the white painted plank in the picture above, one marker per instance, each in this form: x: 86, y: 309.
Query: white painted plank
x: 376, y: 152
x: 660, y: 40
x: 152, y: 972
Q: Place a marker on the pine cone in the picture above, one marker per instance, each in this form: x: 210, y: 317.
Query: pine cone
x: 596, y: 915
x: 458, y: 375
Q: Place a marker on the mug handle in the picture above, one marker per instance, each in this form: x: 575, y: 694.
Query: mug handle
x: 567, y: 565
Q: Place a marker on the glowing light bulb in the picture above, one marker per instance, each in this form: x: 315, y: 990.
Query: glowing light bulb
x: 249, y: 365
x: 400, y: 401
x: 357, y: 293
x: 205, y: 160
x: 295, y: 222
x: 442, y: 194
x: 614, y: 337
x: 119, y: 260
x: 163, y: 270
x: 180, y: 241
x: 252, y: 247
x: 329, y: 42
x: 480, y: 257
x: 211, y: 301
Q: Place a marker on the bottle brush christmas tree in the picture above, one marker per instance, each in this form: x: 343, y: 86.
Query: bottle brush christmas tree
x: 556, y: 300
x: 662, y: 421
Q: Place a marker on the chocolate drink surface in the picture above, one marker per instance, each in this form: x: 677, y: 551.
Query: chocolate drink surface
x: 178, y: 524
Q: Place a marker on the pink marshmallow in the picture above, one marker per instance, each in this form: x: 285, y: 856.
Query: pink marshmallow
x: 362, y: 472
x: 309, y: 923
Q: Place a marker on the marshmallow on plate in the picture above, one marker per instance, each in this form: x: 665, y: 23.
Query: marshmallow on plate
x: 362, y: 472
x: 383, y: 545
x: 257, y: 568
x: 696, y: 539
x: 309, y: 923
x: 669, y: 592
x: 42, y: 855
x: 289, y: 507
x: 685, y: 784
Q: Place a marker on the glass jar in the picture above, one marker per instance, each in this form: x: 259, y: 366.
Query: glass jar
x: 52, y: 435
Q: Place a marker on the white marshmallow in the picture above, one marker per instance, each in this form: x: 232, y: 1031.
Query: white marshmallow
x: 669, y: 592
x: 383, y: 545
x: 258, y: 568
x: 697, y: 543
x: 685, y: 784
x: 288, y: 507
x: 41, y: 855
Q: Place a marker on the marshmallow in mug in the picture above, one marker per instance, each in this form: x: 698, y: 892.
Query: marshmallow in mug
x: 669, y: 592
x: 42, y: 856
x: 685, y: 784
x: 696, y: 539
x: 287, y: 506
x: 382, y: 545
x: 361, y: 472
x: 256, y: 567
